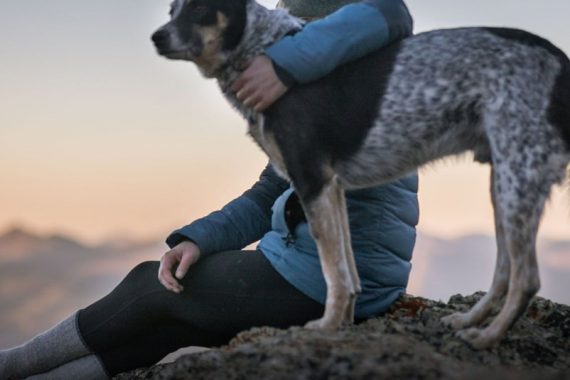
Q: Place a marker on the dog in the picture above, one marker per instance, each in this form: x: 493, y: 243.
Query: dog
x: 503, y: 94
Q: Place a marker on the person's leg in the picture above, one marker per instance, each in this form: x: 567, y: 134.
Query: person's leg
x: 164, y: 339
x: 150, y: 348
x: 140, y: 321
x: 85, y: 368
x: 57, y: 345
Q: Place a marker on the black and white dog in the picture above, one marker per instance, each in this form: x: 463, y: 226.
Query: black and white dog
x: 503, y: 94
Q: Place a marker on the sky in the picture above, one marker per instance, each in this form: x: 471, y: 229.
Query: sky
x: 100, y: 137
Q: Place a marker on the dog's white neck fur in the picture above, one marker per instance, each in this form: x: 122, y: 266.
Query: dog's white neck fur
x: 263, y: 27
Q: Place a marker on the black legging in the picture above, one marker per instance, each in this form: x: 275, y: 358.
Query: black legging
x: 140, y: 321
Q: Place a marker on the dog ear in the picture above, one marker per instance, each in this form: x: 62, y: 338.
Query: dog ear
x: 237, y: 12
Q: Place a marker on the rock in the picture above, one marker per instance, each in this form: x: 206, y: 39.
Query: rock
x: 408, y: 342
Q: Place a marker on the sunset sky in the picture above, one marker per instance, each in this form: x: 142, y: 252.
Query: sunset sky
x: 100, y: 137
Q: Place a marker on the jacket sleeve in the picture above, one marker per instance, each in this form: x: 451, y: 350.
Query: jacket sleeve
x: 345, y: 35
x: 241, y: 222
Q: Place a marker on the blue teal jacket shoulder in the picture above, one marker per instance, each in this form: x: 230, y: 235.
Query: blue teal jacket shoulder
x: 345, y: 35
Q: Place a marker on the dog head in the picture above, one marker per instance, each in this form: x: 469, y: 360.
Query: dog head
x: 202, y: 31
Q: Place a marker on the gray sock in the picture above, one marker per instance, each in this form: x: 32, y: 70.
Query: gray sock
x: 85, y: 368
x: 58, y: 345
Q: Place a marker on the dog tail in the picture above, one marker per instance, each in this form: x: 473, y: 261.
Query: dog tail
x: 559, y: 110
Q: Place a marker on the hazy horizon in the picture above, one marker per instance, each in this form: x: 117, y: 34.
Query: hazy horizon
x: 101, y: 137
x: 45, y: 278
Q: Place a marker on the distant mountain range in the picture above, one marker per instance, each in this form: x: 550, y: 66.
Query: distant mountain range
x: 45, y: 278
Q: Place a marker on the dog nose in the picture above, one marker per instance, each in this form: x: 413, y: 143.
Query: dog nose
x: 160, y: 37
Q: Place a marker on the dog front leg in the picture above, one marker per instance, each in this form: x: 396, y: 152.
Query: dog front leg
x: 349, y: 254
x: 326, y: 226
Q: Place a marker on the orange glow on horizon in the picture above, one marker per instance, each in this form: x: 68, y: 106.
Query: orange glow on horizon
x: 100, y: 137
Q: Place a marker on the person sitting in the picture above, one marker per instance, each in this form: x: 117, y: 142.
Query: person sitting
x: 208, y: 289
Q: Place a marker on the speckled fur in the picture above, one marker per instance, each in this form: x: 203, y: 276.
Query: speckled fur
x: 448, y: 92
x: 461, y: 90
x: 456, y: 90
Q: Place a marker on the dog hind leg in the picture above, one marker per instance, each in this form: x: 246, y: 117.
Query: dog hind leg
x: 499, y: 286
x: 520, y: 197
x: 324, y: 217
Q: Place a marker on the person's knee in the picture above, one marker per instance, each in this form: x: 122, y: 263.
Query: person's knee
x: 144, y: 273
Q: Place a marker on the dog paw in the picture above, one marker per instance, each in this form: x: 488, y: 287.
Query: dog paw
x: 479, y: 339
x: 322, y: 324
x: 455, y: 321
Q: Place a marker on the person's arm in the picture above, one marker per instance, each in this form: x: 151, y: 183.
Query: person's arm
x: 241, y: 222
x: 347, y: 34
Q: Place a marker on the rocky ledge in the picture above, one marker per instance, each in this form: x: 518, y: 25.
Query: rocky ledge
x: 408, y: 342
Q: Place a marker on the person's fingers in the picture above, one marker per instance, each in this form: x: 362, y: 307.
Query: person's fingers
x: 246, y: 91
x: 261, y: 106
x: 239, y: 83
x: 185, y: 262
x: 258, y: 86
x: 269, y: 97
x: 262, y: 102
x: 168, y: 282
x: 165, y: 276
x: 243, y: 78
x: 253, y: 100
x: 246, y: 102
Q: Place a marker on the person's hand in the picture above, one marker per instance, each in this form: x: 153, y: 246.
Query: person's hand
x: 259, y: 86
x: 180, y: 258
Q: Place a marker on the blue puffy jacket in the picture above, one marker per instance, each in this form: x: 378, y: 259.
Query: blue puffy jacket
x: 382, y: 219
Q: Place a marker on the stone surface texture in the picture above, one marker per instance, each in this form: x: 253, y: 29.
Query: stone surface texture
x: 408, y: 342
